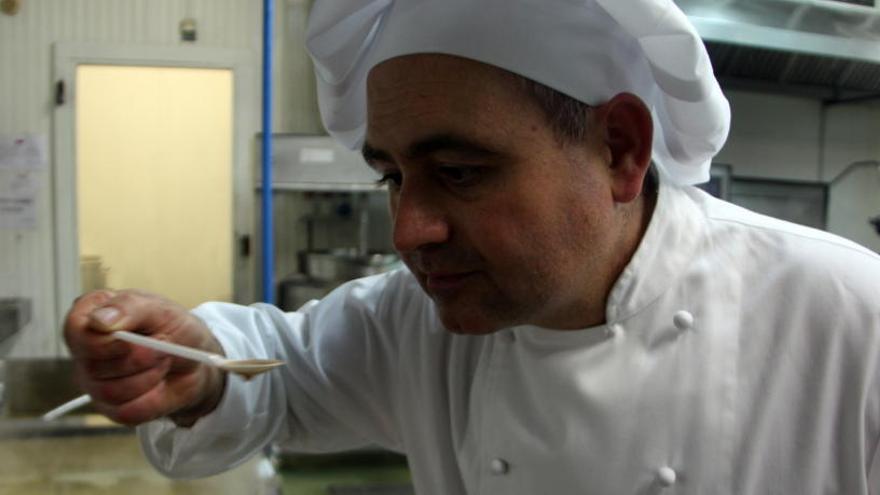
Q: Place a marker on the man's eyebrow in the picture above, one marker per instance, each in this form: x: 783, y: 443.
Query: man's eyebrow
x: 449, y: 142
x: 372, y: 155
x: 433, y: 144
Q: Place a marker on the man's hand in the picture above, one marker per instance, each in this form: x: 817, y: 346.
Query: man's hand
x: 132, y: 384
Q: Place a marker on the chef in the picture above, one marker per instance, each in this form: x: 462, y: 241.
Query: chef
x: 575, y: 317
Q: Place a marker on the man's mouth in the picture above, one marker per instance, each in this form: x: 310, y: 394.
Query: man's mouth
x: 446, y: 282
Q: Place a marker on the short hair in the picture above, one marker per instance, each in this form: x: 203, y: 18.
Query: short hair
x: 570, y: 120
x: 568, y: 117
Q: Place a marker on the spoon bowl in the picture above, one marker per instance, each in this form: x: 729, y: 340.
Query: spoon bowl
x: 248, y: 368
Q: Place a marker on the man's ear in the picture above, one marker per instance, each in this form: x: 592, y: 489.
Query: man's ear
x: 628, y: 133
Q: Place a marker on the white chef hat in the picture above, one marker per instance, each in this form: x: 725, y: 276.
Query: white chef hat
x: 590, y: 50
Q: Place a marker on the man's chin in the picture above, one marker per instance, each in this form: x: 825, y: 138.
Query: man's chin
x: 464, y: 324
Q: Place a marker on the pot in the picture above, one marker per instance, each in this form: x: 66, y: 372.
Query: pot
x: 345, y: 264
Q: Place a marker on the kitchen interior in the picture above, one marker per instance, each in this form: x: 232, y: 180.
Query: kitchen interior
x: 802, y: 76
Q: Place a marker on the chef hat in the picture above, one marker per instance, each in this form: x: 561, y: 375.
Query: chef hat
x: 590, y: 50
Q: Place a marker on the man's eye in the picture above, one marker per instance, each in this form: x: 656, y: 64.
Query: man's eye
x: 391, y: 179
x: 460, y: 175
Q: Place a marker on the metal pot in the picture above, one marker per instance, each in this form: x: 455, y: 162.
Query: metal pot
x: 344, y: 264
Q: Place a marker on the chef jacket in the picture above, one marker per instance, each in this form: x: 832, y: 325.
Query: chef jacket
x: 740, y: 356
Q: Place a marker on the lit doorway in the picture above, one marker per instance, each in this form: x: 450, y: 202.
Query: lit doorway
x: 153, y: 171
x: 154, y: 180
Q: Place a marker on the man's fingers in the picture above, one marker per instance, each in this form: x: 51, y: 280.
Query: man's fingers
x: 77, y: 318
x: 128, y: 310
x: 89, y: 344
x: 138, y: 311
x: 86, y: 303
x: 117, y: 391
x: 131, y: 363
x: 161, y: 400
x: 80, y: 337
x: 96, y: 315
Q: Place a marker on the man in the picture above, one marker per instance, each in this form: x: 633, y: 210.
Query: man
x: 570, y: 321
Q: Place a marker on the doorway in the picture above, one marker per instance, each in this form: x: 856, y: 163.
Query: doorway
x: 153, y: 171
x: 154, y: 180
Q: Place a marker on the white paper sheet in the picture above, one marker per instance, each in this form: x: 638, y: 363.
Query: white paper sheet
x: 18, y: 199
x: 23, y: 151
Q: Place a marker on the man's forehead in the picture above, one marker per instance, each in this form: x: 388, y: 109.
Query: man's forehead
x: 458, y: 101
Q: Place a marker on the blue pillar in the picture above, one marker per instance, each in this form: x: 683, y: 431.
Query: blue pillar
x: 268, y: 241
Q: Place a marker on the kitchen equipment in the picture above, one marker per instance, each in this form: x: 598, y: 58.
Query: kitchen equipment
x: 317, y: 163
x: 34, y: 385
x: 344, y: 264
x: 297, y: 289
x: 341, y: 264
x: 336, y: 222
x: 322, y: 271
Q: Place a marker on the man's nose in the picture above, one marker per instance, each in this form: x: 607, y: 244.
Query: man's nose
x: 418, y: 222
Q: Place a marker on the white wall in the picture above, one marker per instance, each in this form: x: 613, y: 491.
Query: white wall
x: 26, y: 256
x: 778, y: 137
x: 853, y: 134
x: 772, y: 136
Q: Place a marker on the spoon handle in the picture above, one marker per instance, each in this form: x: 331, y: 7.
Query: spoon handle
x: 169, y: 348
x: 67, y: 407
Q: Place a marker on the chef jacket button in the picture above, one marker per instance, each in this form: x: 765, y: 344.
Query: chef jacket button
x: 614, y: 331
x: 510, y: 337
x: 666, y: 476
x: 683, y: 320
x: 499, y: 466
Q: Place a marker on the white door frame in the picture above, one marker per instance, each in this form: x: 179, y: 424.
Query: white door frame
x: 66, y: 58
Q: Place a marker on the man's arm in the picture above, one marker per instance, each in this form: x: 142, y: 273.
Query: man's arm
x: 335, y: 392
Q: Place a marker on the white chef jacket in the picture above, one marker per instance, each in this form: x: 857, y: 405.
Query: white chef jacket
x: 740, y: 356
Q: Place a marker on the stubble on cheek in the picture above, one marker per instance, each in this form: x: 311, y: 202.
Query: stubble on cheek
x: 548, y: 273
x: 514, y: 293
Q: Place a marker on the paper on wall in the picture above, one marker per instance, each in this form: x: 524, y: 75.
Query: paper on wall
x: 21, y: 155
x: 23, y: 151
x: 18, y: 199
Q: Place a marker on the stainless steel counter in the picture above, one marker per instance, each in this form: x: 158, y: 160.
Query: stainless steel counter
x: 88, y: 454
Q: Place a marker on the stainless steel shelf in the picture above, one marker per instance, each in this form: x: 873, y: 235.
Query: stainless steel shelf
x: 317, y: 163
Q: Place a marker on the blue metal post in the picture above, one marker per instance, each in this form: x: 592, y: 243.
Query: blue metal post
x: 268, y: 240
